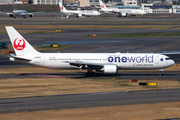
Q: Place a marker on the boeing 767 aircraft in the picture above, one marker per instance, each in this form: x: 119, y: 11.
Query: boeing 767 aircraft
x: 21, y: 13
x: 78, y: 13
x: 108, y: 63
x: 121, y: 12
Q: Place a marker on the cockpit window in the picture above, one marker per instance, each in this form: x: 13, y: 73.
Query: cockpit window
x: 168, y: 58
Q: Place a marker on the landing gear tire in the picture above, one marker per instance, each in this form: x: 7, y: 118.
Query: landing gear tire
x: 160, y: 72
x: 89, y: 74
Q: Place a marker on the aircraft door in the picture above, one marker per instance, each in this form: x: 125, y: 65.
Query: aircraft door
x: 166, y: 61
x: 117, y: 60
x: 157, y: 60
x: 39, y: 59
x: 43, y: 59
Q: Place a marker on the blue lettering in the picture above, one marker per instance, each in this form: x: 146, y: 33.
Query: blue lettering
x: 117, y: 59
x: 142, y: 59
x: 110, y: 59
x: 150, y: 59
x: 132, y: 59
x: 124, y: 59
x: 138, y: 59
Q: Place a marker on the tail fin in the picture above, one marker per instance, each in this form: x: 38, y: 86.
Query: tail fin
x: 13, y: 6
x: 20, y: 45
x: 62, y: 8
x: 103, y: 6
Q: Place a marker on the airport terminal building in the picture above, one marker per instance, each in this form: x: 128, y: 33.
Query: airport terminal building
x: 130, y: 4
x: 150, y: 8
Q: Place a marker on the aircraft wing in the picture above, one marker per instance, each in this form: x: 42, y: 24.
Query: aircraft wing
x: 86, y: 64
x: 3, y: 12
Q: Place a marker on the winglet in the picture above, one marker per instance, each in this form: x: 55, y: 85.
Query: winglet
x: 20, y: 45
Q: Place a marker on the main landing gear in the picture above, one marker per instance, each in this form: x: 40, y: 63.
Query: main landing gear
x: 89, y: 72
x: 160, y: 72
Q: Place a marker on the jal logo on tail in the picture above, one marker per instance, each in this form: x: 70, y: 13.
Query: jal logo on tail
x: 19, y: 43
x: 61, y: 8
x: 102, y: 6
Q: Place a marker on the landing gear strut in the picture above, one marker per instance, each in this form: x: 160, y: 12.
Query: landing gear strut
x: 89, y: 72
x: 68, y: 17
x: 160, y: 72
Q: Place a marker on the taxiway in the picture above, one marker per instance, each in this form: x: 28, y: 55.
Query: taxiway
x: 78, y: 42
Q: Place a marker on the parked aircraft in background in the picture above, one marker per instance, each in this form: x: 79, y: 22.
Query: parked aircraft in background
x: 72, y: 5
x: 108, y: 63
x: 20, y: 13
x: 78, y: 13
x: 121, y: 12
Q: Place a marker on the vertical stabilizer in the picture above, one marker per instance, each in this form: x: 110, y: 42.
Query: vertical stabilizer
x: 102, y: 5
x: 62, y: 8
x: 20, y: 45
x: 13, y: 6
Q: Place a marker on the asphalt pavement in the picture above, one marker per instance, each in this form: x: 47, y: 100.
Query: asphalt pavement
x: 78, y: 42
x: 72, y: 101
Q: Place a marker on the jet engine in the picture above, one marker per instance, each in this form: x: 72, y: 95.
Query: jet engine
x: 124, y: 14
x: 30, y: 15
x: 10, y: 14
x: 79, y: 15
x: 110, y: 69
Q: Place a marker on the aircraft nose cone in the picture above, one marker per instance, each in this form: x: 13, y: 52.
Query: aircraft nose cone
x: 172, y: 62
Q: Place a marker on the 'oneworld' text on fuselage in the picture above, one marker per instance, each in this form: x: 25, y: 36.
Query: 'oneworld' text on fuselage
x: 138, y: 59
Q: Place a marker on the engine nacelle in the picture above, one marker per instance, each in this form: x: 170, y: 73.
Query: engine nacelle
x: 80, y: 15
x: 110, y: 69
x: 10, y: 14
x: 124, y: 14
x: 30, y: 15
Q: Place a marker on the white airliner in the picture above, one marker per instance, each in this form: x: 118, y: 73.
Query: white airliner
x: 108, y: 63
x: 121, y: 12
x: 76, y: 12
x: 20, y: 13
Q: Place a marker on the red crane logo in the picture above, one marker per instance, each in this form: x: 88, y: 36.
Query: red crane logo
x: 102, y: 6
x: 19, y: 44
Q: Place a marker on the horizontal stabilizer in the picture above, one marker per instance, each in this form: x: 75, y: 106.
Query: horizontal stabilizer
x: 19, y: 57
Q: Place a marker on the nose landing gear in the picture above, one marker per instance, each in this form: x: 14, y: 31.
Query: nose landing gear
x: 160, y: 72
